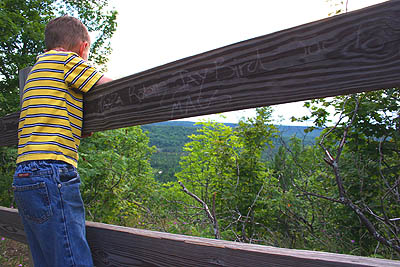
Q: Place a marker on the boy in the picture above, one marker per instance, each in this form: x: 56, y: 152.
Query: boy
x: 46, y: 183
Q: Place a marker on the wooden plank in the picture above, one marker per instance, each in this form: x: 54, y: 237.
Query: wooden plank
x: 11, y: 225
x: 8, y: 129
x: 122, y: 246
x: 345, y: 54
x: 22, y: 76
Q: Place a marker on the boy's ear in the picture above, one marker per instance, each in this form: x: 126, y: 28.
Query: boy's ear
x: 84, y: 49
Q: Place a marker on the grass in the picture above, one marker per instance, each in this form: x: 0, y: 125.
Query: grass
x: 13, y: 253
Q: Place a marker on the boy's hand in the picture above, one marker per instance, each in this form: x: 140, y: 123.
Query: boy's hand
x: 103, y: 80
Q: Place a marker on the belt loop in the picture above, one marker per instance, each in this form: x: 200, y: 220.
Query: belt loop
x: 55, y: 173
x: 34, y: 165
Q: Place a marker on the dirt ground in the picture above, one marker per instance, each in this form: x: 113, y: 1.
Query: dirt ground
x: 13, y: 253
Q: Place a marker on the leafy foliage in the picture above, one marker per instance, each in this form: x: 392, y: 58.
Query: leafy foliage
x: 363, y: 150
x: 226, y: 162
x: 22, y: 24
x: 7, y: 169
x: 117, y: 174
x: 169, y: 138
x: 169, y: 141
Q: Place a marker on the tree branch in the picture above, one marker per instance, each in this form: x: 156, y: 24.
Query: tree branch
x: 206, y: 209
x: 333, y: 162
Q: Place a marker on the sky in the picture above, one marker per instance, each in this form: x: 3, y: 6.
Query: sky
x: 155, y: 32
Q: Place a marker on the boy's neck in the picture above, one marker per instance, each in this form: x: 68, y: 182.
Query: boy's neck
x: 82, y: 49
x: 60, y: 49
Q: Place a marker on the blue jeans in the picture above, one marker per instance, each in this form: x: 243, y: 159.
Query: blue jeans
x: 50, y: 204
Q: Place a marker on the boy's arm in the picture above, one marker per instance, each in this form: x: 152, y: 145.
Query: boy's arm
x: 101, y: 81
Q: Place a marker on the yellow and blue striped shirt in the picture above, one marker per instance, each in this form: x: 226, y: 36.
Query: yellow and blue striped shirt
x: 51, y: 117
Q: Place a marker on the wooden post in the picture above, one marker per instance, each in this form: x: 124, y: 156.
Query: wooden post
x: 22, y: 75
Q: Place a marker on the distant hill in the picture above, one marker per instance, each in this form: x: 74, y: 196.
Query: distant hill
x: 169, y: 138
x: 183, y: 123
x: 289, y: 128
x: 285, y: 130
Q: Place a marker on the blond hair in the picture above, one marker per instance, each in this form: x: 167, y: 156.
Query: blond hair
x: 66, y: 32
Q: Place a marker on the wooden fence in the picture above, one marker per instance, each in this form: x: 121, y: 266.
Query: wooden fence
x: 122, y: 246
x: 354, y: 52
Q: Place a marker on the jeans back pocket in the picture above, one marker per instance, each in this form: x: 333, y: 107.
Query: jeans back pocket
x: 33, y: 201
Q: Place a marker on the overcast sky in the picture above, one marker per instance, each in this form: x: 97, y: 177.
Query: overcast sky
x: 154, y: 32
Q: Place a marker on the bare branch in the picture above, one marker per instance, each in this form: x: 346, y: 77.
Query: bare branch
x: 254, y: 202
x: 346, y: 131
x: 339, y: 181
x: 215, y: 217
x: 206, y: 209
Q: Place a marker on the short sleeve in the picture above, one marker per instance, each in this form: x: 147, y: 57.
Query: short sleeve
x: 78, y: 74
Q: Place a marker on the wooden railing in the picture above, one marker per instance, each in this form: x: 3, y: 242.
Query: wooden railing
x: 350, y: 53
x: 122, y: 246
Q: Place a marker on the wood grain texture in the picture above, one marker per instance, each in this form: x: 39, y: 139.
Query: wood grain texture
x: 122, y: 246
x: 8, y: 129
x: 22, y: 76
x: 11, y: 225
x: 344, y: 54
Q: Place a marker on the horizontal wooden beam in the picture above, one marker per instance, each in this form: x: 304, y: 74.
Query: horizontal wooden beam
x: 122, y: 246
x: 344, y: 54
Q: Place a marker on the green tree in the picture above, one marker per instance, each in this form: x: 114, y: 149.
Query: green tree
x: 22, y: 24
x: 117, y: 179
x: 310, y: 221
x: 7, y: 169
x: 224, y: 169
x: 362, y: 151
x: 207, y: 169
